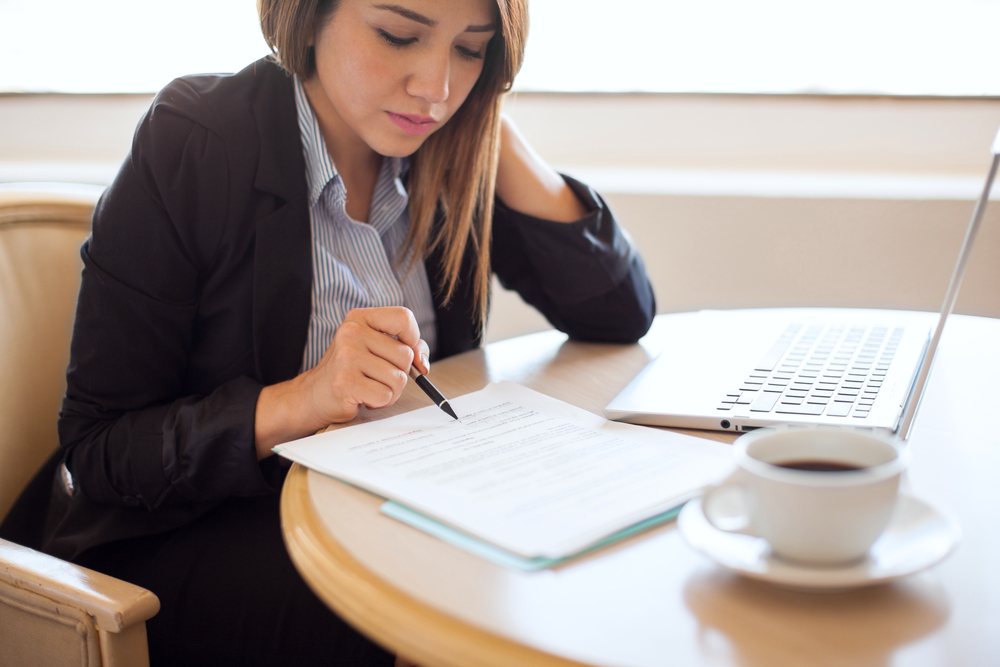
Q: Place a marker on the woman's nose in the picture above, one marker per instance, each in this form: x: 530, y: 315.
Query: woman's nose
x: 429, y: 81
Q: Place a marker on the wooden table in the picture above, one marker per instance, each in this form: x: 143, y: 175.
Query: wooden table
x: 652, y: 600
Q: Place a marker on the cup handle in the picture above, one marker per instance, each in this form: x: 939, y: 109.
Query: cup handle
x: 733, y: 492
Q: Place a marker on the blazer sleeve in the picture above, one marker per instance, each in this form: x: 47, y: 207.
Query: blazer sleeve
x: 133, y: 431
x: 585, y: 277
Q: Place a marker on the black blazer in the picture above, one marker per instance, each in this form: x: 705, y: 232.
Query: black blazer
x: 196, y: 294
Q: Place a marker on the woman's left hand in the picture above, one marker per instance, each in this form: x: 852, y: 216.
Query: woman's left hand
x: 528, y: 185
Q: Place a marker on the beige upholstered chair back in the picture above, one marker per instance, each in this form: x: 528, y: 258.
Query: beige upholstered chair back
x: 41, y: 230
x: 51, y: 612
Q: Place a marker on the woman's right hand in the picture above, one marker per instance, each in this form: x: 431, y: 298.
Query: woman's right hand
x: 366, y: 364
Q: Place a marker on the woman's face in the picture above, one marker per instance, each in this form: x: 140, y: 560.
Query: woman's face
x: 391, y: 72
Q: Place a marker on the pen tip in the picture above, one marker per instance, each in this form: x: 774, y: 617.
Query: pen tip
x: 447, y: 408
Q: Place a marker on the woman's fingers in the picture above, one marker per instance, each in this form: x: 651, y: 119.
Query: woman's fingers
x: 399, y: 323
x: 422, y: 360
x: 369, y: 379
x: 368, y: 361
x: 358, y: 339
x: 366, y: 364
x: 373, y: 394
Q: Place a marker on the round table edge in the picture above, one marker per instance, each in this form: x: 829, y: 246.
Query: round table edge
x: 395, y: 620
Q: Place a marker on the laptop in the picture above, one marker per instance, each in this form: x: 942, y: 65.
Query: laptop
x: 741, y: 370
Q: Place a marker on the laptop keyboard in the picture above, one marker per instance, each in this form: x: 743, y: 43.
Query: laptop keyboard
x: 819, y: 370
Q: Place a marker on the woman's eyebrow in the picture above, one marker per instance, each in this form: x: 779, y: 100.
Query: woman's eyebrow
x: 423, y: 20
x: 489, y: 27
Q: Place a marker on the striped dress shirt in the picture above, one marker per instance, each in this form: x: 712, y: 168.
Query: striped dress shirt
x: 355, y: 263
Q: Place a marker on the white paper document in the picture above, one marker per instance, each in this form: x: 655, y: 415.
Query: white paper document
x: 522, y: 471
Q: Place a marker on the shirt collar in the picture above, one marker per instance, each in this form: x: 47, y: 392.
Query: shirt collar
x: 320, y: 169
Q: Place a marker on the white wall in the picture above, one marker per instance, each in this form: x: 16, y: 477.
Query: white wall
x: 781, y: 200
x: 733, y: 200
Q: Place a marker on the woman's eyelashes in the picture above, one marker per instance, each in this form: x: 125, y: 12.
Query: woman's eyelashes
x: 400, y: 42
x: 396, y: 41
x: 470, y: 54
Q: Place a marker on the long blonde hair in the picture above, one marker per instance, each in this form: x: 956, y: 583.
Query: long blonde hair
x: 453, y: 174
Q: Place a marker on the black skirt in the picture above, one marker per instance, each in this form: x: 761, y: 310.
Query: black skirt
x: 230, y: 595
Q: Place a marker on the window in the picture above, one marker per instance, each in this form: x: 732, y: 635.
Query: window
x: 122, y: 46
x: 882, y: 47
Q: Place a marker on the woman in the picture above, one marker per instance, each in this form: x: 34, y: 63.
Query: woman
x: 278, y: 249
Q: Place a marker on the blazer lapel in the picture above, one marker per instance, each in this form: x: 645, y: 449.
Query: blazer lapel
x: 282, y: 281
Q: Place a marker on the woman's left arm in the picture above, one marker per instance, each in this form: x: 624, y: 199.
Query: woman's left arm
x: 527, y: 184
x: 557, y: 244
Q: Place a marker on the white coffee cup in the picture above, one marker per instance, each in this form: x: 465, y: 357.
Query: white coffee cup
x: 806, y: 515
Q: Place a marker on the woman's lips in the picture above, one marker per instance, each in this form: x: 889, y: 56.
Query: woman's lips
x: 411, y: 124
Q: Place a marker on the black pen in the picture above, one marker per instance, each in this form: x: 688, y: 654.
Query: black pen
x: 432, y: 392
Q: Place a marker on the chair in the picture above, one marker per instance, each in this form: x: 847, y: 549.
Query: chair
x: 51, y: 612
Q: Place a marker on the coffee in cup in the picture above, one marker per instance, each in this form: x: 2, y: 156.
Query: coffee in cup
x: 820, y: 495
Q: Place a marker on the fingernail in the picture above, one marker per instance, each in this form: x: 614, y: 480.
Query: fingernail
x: 426, y: 362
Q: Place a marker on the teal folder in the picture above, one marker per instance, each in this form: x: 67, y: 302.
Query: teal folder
x: 497, y: 555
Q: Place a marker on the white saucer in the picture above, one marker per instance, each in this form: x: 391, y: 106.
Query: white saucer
x: 918, y: 537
